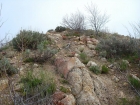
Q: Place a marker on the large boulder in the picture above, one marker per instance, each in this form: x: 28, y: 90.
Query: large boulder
x: 103, y: 89
x: 82, y: 87
x: 87, y: 89
x: 65, y: 65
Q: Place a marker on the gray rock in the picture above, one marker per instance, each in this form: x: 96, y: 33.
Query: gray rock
x: 103, y: 59
x: 115, y: 79
x: 91, y: 63
x: 82, y: 87
x: 90, y: 46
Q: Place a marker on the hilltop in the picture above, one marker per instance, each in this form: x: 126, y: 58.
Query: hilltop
x: 70, y: 68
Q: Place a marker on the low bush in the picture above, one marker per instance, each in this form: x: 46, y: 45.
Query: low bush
x: 60, y: 29
x: 84, y: 58
x: 123, y: 65
x: 6, y: 67
x: 118, y: 47
x: 135, y: 82
x: 104, y: 69
x: 34, y: 84
x: 95, y: 69
x: 125, y: 101
x: 28, y: 39
x: 43, y: 53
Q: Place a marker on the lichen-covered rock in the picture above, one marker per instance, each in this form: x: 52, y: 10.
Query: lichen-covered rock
x: 82, y: 87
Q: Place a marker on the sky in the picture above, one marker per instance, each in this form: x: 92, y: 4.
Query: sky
x: 42, y: 15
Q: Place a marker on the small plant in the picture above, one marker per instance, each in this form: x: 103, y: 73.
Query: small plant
x: 84, y: 58
x: 64, y: 81
x: 63, y: 89
x: 60, y: 29
x: 104, y: 69
x: 28, y: 60
x: 123, y: 66
x: 125, y: 101
x: 34, y: 84
x: 95, y: 69
x: 6, y: 67
x: 135, y: 82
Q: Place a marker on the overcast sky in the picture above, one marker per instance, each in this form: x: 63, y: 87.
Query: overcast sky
x: 42, y: 15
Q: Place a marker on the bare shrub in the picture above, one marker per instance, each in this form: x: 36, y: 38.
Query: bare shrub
x: 75, y: 21
x: 97, y: 20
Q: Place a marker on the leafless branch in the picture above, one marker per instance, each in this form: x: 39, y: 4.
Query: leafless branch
x: 96, y: 20
x: 75, y: 21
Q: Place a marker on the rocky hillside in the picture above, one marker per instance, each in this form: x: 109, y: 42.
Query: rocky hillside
x: 71, y: 72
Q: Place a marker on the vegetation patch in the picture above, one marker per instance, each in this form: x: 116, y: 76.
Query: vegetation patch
x: 118, y: 47
x: 6, y: 67
x: 28, y: 39
x: 64, y: 89
x: 135, y: 82
x: 125, y: 101
x: 105, y: 70
x: 33, y: 84
x: 84, y: 57
x: 95, y: 69
x: 60, y: 29
x: 123, y: 65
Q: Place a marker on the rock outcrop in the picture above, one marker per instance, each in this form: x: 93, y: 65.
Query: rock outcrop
x: 81, y: 83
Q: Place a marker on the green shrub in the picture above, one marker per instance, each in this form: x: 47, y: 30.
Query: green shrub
x: 84, y: 57
x: 123, y: 65
x: 28, y: 39
x: 5, y: 66
x: 34, y: 84
x: 125, y: 101
x: 135, y: 82
x: 50, y: 30
x: 118, y: 47
x: 95, y: 69
x: 104, y: 69
x: 60, y: 29
x: 64, y: 89
x: 44, y: 53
